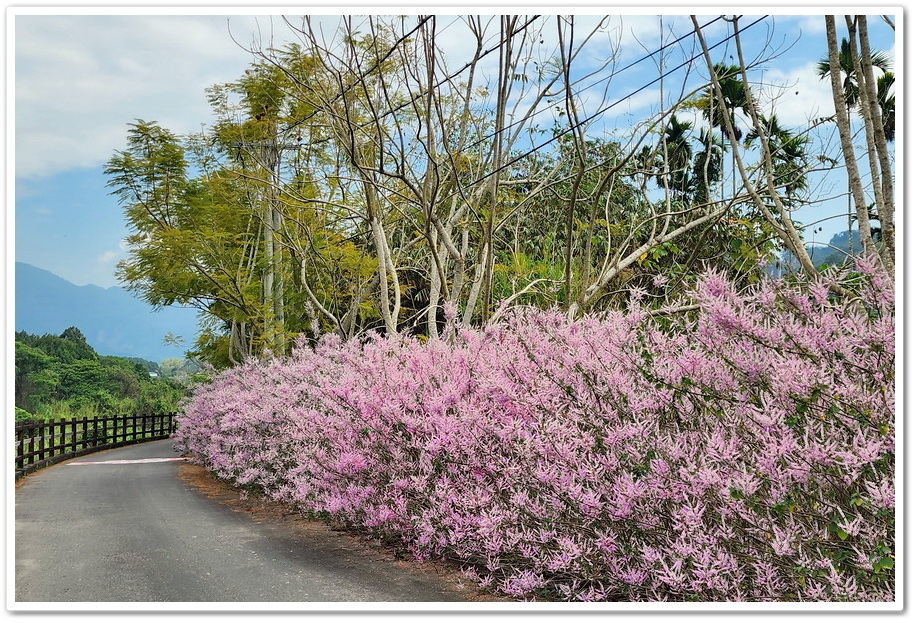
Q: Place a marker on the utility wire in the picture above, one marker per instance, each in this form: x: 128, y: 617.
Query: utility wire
x: 496, y: 47
x: 609, y: 106
x: 362, y: 77
x: 609, y: 77
x: 424, y: 92
x: 462, y: 70
x: 492, y: 49
x: 467, y: 65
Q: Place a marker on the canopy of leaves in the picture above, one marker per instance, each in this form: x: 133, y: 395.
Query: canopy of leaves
x: 367, y: 187
x: 63, y: 375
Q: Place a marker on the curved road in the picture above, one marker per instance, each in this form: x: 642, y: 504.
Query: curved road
x: 102, y: 532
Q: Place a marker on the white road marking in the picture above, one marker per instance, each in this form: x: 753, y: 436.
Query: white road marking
x: 128, y: 461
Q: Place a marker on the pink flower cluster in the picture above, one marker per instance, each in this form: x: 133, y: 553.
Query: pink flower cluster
x: 741, y: 453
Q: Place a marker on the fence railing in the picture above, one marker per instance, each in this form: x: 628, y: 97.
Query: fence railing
x: 41, y: 443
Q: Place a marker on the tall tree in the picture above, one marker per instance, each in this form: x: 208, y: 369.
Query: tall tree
x: 767, y: 199
x: 678, y: 154
x: 847, y: 69
x: 876, y: 148
x: 888, y: 103
x: 847, y: 64
x: 368, y: 182
x: 878, y: 156
x: 735, y: 96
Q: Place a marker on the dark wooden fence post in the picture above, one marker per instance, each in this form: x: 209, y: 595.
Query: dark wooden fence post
x: 20, y: 451
x: 28, y: 442
x: 41, y: 442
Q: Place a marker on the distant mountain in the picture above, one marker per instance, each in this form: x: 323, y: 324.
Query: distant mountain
x: 835, y: 252
x: 112, y: 319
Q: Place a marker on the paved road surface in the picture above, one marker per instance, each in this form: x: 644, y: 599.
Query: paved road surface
x: 136, y: 532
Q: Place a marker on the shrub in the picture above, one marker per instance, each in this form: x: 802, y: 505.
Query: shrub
x: 743, y: 453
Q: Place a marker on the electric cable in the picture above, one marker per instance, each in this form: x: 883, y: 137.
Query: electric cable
x: 609, y: 106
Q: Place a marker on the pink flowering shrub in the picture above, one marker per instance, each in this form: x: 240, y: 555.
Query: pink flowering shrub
x: 742, y: 453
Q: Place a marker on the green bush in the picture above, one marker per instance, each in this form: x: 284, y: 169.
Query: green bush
x: 62, y: 377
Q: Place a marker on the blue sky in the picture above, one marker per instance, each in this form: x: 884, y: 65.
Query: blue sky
x: 80, y: 79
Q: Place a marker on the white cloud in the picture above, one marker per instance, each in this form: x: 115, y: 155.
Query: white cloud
x: 107, y: 257
x: 81, y: 79
x: 796, y: 95
x: 112, y: 257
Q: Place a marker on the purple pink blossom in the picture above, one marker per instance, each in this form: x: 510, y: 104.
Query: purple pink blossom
x: 742, y: 452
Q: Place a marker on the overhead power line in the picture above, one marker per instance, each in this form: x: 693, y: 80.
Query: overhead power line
x: 489, y: 51
x: 363, y: 76
x: 609, y: 77
x: 424, y: 92
x: 609, y: 106
x: 462, y: 70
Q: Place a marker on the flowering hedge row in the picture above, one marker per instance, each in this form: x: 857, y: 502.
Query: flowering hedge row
x: 743, y: 452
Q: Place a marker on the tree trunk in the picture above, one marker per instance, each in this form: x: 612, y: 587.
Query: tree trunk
x: 849, y: 156
x: 882, y: 176
x: 784, y: 226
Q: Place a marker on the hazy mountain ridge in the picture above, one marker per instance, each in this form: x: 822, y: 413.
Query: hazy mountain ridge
x: 834, y: 252
x: 112, y: 319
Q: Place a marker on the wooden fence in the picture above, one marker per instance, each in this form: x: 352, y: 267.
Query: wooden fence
x: 41, y: 443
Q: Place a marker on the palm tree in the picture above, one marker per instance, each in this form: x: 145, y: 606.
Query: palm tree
x: 678, y: 154
x: 788, y: 153
x: 707, y: 165
x: 689, y: 174
x: 887, y: 101
x: 735, y: 96
x: 848, y: 66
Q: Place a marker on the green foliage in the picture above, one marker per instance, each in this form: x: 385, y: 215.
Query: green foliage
x: 68, y: 347
x: 161, y: 397
x: 250, y: 252
x: 150, y: 366
x: 848, y: 62
x: 179, y: 370
x: 63, y: 377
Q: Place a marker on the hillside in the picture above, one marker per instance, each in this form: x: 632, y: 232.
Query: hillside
x: 112, y: 319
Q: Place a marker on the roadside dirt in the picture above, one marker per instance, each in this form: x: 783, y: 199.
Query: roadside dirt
x: 293, y: 523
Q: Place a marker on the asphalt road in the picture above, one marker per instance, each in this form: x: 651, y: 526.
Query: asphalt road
x: 136, y: 532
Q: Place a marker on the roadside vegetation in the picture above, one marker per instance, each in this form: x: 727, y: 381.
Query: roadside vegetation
x: 362, y: 184
x: 741, y: 452
x: 62, y: 377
